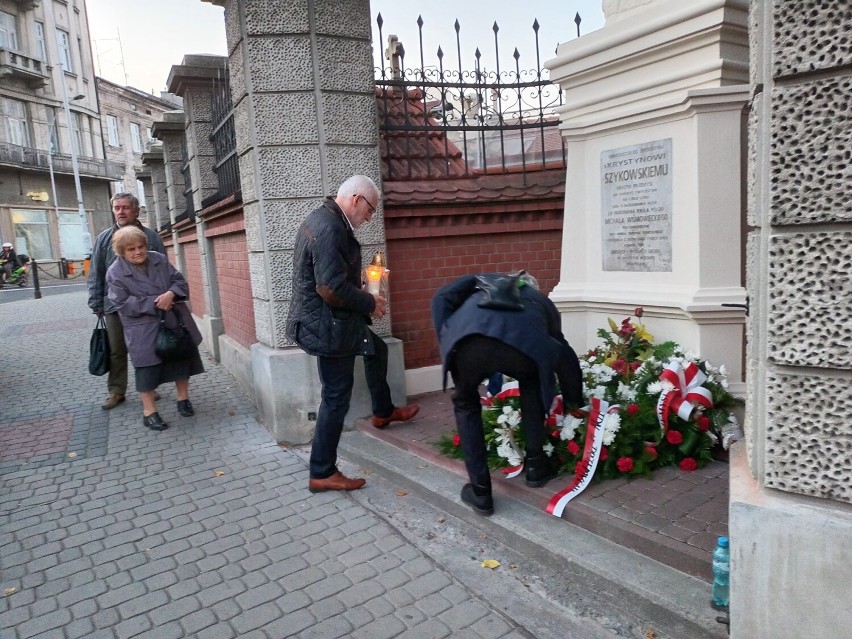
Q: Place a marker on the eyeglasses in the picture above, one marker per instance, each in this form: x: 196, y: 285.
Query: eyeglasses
x: 372, y: 208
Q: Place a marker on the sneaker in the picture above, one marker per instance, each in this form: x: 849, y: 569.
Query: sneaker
x: 112, y: 401
x: 479, y: 497
x: 184, y: 407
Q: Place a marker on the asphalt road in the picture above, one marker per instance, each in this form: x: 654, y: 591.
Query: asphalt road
x: 15, y: 294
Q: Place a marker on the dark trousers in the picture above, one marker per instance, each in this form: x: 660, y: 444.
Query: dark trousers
x: 337, y: 376
x: 117, y: 376
x: 477, y: 357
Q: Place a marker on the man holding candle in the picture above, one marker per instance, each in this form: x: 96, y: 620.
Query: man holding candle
x: 329, y: 317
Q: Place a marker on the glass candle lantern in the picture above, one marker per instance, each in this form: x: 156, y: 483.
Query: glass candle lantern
x: 377, y: 276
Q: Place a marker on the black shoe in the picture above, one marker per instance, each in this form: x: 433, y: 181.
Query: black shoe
x: 185, y: 408
x: 154, y: 422
x: 540, y: 470
x: 479, y: 497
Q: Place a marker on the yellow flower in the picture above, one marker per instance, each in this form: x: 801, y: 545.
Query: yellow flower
x: 642, y: 333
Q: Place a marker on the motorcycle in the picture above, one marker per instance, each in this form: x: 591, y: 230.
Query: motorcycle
x: 20, y: 275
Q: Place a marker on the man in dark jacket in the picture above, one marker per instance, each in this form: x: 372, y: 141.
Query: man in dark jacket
x: 125, y: 208
x: 526, y: 343
x: 8, y: 261
x: 329, y: 317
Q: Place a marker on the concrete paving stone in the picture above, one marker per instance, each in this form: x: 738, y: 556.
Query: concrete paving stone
x: 386, y: 627
x: 174, y: 611
x: 86, y: 535
x: 43, y: 622
x: 119, y: 579
x: 255, y: 618
x: 360, y: 554
x: 361, y: 572
x: 78, y: 629
x: 32, y: 579
x: 399, y: 598
x: 358, y: 617
x: 417, y: 566
x: 281, y: 552
x: 410, y: 615
x: 81, y: 592
x: 281, y: 570
x: 217, y: 631
x: 677, y: 532
x: 219, y: 591
x: 319, y: 610
x: 490, y: 627
x: 170, y: 630
x: 114, y: 554
x: 118, y: 595
x: 427, y: 584
x: 430, y: 629
x: 52, y: 588
x: 160, y: 581
x: 212, y: 562
x: 257, y: 595
x: 143, y: 604
x: 328, y: 587
x: 133, y: 627
x: 464, y: 613
x: 433, y: 605
x: 331, y: 628
x: 172, y: 548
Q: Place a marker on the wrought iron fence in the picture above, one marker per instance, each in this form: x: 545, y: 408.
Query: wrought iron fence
x: 224, y: 139
x: 438, y: 122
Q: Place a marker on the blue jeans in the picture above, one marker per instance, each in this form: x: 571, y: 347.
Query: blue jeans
x: 337, y: 376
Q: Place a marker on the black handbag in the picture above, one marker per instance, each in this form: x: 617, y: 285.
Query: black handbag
x: 173, y: 344
x: 99, y: 349
x: 500, y: 292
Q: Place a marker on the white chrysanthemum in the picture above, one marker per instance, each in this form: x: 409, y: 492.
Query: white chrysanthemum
x: 508, y: 452
x: 598, y: 391
x: 548, y: 449
x: 504, y: 435
x: 626, y: 392
x: 689, y: 356
x: 569, y: 427
x: 602, y: 372
x: 655, y: 388
x: 611, y: 426
x: 724, y: 383
x: 584, y: 365
x: 722, y: 370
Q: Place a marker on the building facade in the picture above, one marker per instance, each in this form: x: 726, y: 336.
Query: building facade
x: 49, y: 118
x: 127, y: 115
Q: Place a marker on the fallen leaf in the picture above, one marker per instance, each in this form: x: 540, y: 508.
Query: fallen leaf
x: 218, y: 473
x: 483, y: 536
x: 401, y: 493
x: 282, y: 444
x: 72, y: 455
x: 366, y: 471
x: 513, y: 565
x: 490, y: 563
x: 9, y: 591
x: 650, y: 634
x: 441, y: 520
x: 232, y: 413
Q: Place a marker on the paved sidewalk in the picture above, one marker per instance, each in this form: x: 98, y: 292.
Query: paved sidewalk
x: 207, y: 530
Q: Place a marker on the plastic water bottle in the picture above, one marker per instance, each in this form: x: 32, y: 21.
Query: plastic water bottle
x: 721, y: 573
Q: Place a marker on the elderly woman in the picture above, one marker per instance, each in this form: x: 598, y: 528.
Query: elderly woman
x: 141, y: 284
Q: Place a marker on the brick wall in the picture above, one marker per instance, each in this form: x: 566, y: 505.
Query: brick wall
x: 192, y: 270
x: 430, y: 246
x: 227, y: 235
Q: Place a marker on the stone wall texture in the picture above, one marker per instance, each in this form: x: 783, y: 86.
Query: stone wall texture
x: 799, y: 174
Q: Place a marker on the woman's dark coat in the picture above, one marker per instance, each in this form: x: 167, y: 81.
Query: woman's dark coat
x: 132, y: 292
x: 536, y: 331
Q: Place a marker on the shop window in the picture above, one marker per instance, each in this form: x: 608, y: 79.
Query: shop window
x: 71, y: 235
x: 32, y: 234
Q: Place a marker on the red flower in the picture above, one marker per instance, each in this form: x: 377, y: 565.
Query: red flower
x: 555, y: 434
x: 573, y: 447
x: 625, y: 464
x: 550, y: 421
x: 638, y: 311
x: 688, y: 464
x: 703, y: 422
x: 619, y: 366
x: 635, y: 365
x: 604, y: 453
x: 456, y: 440
x: 632, y: 409
x: 580, y: 414
x: 674, y: 437
x: 651, y: 451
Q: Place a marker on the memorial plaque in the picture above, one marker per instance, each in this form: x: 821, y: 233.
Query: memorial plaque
x: 636, y: 207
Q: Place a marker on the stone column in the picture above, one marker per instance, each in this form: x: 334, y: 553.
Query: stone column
x: 791, y: 481
x: 171, y: 131
x: 195, y: 82
x: 305, y: 114
x: 653, y: 123
x: 158, y: 208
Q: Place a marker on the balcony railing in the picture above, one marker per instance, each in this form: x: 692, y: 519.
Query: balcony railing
x: 37, y: 159
x: 31, y: 70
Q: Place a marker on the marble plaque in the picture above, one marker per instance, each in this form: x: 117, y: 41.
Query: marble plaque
x: 636, y: 207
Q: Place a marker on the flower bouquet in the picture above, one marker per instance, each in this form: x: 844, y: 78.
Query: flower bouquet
x: 649, y: 406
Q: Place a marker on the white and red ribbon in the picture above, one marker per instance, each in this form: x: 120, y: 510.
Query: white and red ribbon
x: 591, y: 454
x: 687, y: 392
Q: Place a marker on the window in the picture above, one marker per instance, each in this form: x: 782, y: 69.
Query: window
x: 32, y: 233
x: 17, y: 130
x: 112, y: 131
x: 140, y: 189
x: 150, y: 134
x: 118, y: 187
x: 71, y: 235
x: 78, y: 136
x: 8, y: 31
x: 54, y: 138
x: 136, y: 137
x: 40, y: 44
x: 64, y: 43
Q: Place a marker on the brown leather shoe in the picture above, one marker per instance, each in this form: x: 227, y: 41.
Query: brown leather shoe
x: 112, y: 401
x: 399, y: 414
x: 338, y: 481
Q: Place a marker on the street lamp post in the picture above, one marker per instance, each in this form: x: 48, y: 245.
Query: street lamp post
x: 75, y: 167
